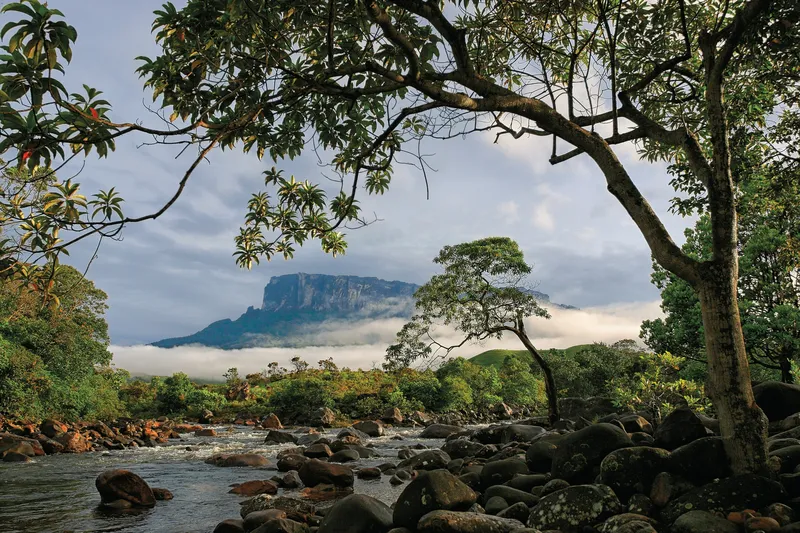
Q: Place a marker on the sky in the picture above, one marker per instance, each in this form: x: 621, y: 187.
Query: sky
x: 173, y: 276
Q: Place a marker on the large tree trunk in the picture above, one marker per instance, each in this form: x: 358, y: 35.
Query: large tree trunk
x: 742, y: 424
x: 549, y: 381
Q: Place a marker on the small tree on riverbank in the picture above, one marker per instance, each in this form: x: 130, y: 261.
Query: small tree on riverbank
x: 481, y: 294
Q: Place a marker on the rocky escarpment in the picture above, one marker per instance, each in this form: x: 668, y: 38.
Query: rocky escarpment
x: 302, y: 309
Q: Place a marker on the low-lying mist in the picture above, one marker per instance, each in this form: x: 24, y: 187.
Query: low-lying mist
x: 363, y: 344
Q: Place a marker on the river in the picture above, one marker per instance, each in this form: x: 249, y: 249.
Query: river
x: 56, y: 493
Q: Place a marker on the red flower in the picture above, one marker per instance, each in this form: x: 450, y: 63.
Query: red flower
x: 26, y: 155
x: 94, y: 113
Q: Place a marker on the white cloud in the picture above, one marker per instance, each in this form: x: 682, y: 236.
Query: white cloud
x: 509, y: 211
x: 565, y: 328
x: 542, y: 218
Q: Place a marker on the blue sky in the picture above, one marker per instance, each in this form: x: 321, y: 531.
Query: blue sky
x: 173, y: 276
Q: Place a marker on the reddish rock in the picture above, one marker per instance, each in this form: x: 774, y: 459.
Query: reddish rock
x: 15, y: 457
x: 239, y: 459
x: 255, y: 487
x: 206, y: 432
x: 315, y: 472
x: 9, y: 441
x: 52, y: 428
x: 271, y: 421
x: 115, y: 485
x: 761, y: 523
x: 186, y: 428
x: 74, y: 442
x: 162, y: 494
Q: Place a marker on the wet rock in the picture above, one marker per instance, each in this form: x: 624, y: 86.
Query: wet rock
x: 318, y: 451
x: 461, y: 448
x: 454, y: 522
x: 392, y: 415
x: 162, y: 494
x: 314, y: 472
x: 631, y: 470
x: 369, y: 473
x: 526, y: 482
x: 205, y: 432
x: 553, y: 485
x: 498, y: 472
x: 254, y: 488
x: 257, y: 518
x: 539, y: 456
x: 238, y: 460
x: 777, y: 444
x: 439, y: 431
x: 495, y: 504
x: 702, y: 522
x: 519, y: 511
x: 73, y: 442
x: 230, y: 525
x: 294, y: 508
x: 279, y: 437
x: 15, y: 457
x: 290, y: 461
x: 425, y: 460
x: 271, y: 421
x: 640, y: 504
x: 372, y: 428
x: 291, y: 480
x: 281, y: 525
x: 572, y: 508
x: 344, y: 456
x: 308, y: 439
x: 761, y: 524
x: 701, y: 461
x: 21, y: 447
x: 123, y: 485
x: 746, y: 491
x: 51, y: 446
x: 430, y: 491
x: 9, y: 441
x: 357, y: 513
x: 510, y: 495
x: 580, y: 453
x: 52, y: 428
x: 680, y: 427
x: 777, y: 400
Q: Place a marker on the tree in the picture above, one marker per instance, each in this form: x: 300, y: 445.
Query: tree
x: 364, y: 81
x: 481, y: 294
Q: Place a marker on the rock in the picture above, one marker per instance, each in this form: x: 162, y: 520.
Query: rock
x: 777, y: 444
x: 291, y: 480
x: 51, y: 446
x: 520, y: 433
x: 372, y: 428
x: 580, y: 453
x: 116, y: 485
x: 271, y: 421
x: 702, y: 522
x: 20, y: 447
x: 15, y: 457
x: 324, y: 416
x: 281, y: 525
x: 461, y: 448
x: 257, y: 518
x: 761, y: 523
x: 344, y: 456
x: 230, y: 526
x: 701, y: 461
x: 495, y: 504
x: 510, y: 495
x: 789, y: 457
x: 426, y: 460
x: 540, y: 456
x: 777, y: 400
x: 52, y: 428
x: 439, y: 431
x: 588, y: 408
x: 291, y: 461
x: 454, y: 522
x: 631, y: 470
x: 318, y: 451
x: 572, y: 508
x: 783, y: 514
x: 640, y: 504
x: 73, y: 442
x: 238, y: 460
x: 206, y: 417
x: 294, y: 508
x: 392, y: 415
x: 306, y: 440
x: 254, y: 488
x: 420, y: 418
x: 552, y: 486
x: 9, y: 441
x: 357, y: 513
x: 628, y: 523
x: 369, y: 473
x: 205, y: 432
x: 314, y: 472
x: 680, y: 427
x: 519, y: 511
x: 666, y: 487
x: 498, y: 472
x: 279, y: 437
x: 526, y: 482
x: 747, y: 491
x: 431, y: 491
x: 634, y: 423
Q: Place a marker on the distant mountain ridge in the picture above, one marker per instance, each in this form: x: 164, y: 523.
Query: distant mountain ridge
x: 295, y: 307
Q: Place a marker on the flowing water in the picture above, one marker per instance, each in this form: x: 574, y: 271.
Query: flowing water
x: 56, y: 493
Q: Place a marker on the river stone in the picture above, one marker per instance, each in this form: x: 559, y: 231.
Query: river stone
x: 520, y: 433
x: 439, y: 431
x: 279, y: 437
x: 52, y: 428
x: 372, y: 428
x: 680, y: 427
x: 281, y: 525
x: 526, y: 482
x: 254, y: 488
x: 518, y: 511
x: 294, y: 508
x: 256, y: 518
x: 425, y: 460
x: 634, y: 423
x: 702, y: 522
x: 115, y: 485
x: 540, y: 456
x: 15, y: 457
x: 701, y: 461
x: 238, y: 460
x: 631, y: 470
x: 498, y: 472
x: 357, y: 513
x: 344, y: 456
x: 495, y: 504
x: 315, y: 472
x: 747, y: 491
x: 74, y: 442
x: 318, y: 451
x: 777, y: 400
x: 572, y: 508
x: 581, y: 452
x: 666, y: 487
x: 628, y: 523
x: 392, y: 415
x: 352, y: 432
x: 776, y: 444
x: 454, y: 522
x: 511, y: 495
x: 461, y: 448
x: 291, y: 461
x: 230, y: 526
x: 430, y: 491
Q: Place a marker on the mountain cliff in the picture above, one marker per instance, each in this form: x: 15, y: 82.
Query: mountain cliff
x: 297, y: 309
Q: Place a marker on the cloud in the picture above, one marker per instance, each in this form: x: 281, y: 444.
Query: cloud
x: 566, y: 328
x: 509, y: 211
x: 542, y: 218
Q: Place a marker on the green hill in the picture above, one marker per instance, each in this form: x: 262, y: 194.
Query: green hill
x: 496, y: 357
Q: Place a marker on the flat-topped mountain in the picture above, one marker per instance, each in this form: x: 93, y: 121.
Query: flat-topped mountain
x: 296, y: 307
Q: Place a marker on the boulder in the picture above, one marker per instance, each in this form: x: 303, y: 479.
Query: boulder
x: 230, y: 525
x: 392, y: 415
x: 539, y: 456
x: 271, y: 421
x: 205, y: 432
x: 425, y: 460
x: 372, y: 428
x: 294, y: 508
x: 254, y: 488
x: 628, y: 523
x: 495, y: 504
x: 324, y: 417
x: 579, y: 454
x: 588, y: 408
x: 701, y: 461
x: 318, y: 451
x: 572, y: 508
x: 15, y: 457
x: 520, y: 433
x: 315, y: 472
x: 666, y: 487
x: 498, y: 472
x: 680, y: 427
x: 518, y: 511
x: 344, y: 456
x: 789, y: 457
x: 238, y: 460
x: 370, y: 472
x: 124, y: 486
x: 281, y: 525
x: 461, y: 448
x: 73, y: 442
x: 702, y: 522
x: 357, y: 513
x: 439, y: 431
x: 52, y: 428
x: 747, y: 491
x: 454, y: 522
x: 510, y: 495
x: 634, y: 423
x: 431, y: 491
x: 257, y: 518
x: 631, y: 470
x: 290, y: 461
x: 777, y: 400
x: 162, y: 494
x: 279, y: 437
